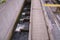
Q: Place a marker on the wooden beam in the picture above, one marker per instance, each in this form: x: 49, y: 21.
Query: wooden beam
x: 52, y: 31
x: 37, y: 29
x: 52, y: 5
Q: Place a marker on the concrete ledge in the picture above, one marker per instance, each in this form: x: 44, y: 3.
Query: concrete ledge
x: 8, y: 15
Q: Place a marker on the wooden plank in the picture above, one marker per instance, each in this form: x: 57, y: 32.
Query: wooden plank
x: 53, y: 30
x: 8, y: 15
x: 48, y: 22
x: 52, y: 5
x: 38, y: 29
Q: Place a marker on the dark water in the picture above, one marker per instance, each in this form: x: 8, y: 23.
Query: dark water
x: 20, y: 36
x: 24, y: 21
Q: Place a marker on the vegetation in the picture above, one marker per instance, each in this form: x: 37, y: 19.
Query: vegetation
x: 2, y: 1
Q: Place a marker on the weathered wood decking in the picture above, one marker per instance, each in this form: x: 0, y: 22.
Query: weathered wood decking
x: 38, y: 29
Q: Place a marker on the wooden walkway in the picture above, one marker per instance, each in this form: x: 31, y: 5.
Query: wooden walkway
x: 41, y: 27
x: 38, y: 28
